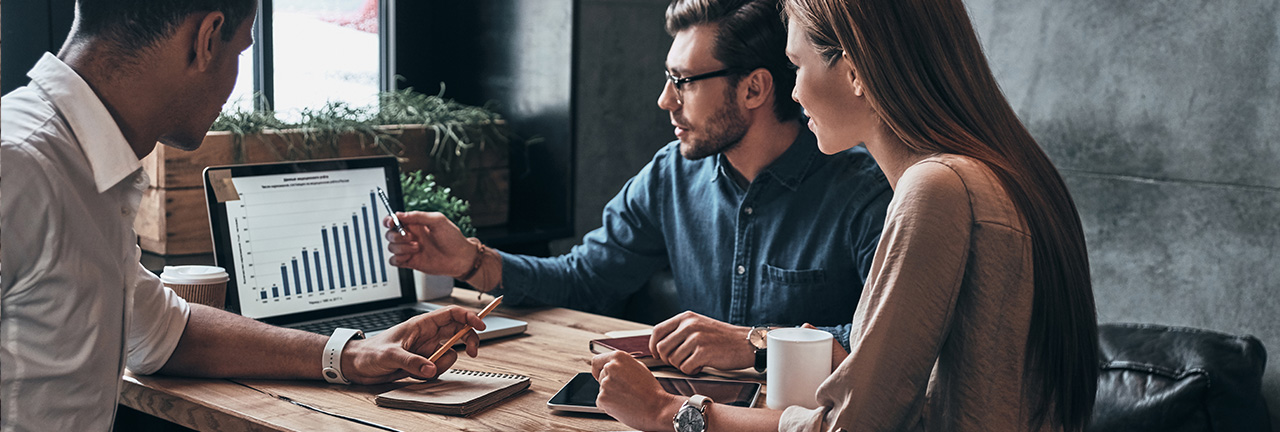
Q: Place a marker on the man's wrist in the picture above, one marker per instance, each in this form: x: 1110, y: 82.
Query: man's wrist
x: 333, y: 366
x: 488, y: 274
x: 477, y: 258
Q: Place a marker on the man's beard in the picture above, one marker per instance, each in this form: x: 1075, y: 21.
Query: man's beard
x: 722, y: 132
x: 181, y: 142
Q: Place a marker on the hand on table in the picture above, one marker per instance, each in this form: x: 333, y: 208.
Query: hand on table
x: 690, y: 341
x: 434, y: 244
x: 630, y: 393
x: 402, y: 350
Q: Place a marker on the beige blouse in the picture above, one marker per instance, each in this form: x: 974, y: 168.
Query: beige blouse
x: 940, y: 331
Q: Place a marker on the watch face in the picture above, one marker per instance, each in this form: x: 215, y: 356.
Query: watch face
x: 689, y: 419
x: 757, y: 337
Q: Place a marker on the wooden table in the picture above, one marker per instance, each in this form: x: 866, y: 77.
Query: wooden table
x: 551, y: 352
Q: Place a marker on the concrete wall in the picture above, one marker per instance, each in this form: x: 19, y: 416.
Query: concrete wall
x: 621, y: 49
x: 1164, y: 117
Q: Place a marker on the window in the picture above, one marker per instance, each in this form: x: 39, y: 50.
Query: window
x: 309, y: 52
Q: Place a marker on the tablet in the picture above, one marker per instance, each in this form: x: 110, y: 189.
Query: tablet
x: 579, y: 395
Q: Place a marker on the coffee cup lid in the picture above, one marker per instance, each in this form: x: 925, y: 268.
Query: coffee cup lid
x: 193, y: 274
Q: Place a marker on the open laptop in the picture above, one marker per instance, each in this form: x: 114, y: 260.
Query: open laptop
x: 304, y: 245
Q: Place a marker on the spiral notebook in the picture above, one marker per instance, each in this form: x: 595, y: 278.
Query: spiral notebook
x: 455, y: 392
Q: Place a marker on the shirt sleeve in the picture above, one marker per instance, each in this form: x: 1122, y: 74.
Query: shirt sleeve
x: 159, y: 318
x: 25, y: 171
x: 841, y: 333
x: 867, y: 229
x: 905, y: 310
x: 612, y: 262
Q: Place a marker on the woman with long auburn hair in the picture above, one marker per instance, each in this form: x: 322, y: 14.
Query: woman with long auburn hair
x: 979, y: 313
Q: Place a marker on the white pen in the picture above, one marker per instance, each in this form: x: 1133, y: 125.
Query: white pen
x: 394, y: 220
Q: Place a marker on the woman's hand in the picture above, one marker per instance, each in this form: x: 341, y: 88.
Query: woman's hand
x: 630, y: 393
x: 403, y: 350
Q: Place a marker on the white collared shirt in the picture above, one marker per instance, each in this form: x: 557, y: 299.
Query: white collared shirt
x: 76, y: 303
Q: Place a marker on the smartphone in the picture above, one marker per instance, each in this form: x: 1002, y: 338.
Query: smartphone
x: 579, y: 395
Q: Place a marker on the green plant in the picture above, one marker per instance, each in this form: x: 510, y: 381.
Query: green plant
x: 458, y: 128
x: 421, y: 193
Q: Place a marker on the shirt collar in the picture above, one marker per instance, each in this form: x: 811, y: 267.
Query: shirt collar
x: 99, y: 137
x: 791, y: 167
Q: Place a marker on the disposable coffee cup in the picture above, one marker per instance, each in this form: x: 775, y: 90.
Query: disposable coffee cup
x: 206, y: 285
x: 799, y: 361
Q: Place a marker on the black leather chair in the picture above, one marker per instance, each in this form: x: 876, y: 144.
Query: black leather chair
x: 1173, y: 379
x: 1153, y: 378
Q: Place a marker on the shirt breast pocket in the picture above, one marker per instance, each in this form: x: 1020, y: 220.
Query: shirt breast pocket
x: 783, y: 277
x: 808, y: 295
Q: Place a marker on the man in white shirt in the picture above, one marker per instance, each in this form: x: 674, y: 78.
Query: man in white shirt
x: 76, y: 306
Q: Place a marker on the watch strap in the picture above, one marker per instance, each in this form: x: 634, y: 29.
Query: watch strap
x: 331, y: 361
x: 700, y: 402
x: 762, y: 360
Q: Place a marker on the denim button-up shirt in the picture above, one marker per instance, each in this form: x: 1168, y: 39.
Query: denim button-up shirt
x: 793, y: 247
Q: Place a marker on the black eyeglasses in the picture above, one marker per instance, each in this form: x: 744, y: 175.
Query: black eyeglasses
x: 679, y: 83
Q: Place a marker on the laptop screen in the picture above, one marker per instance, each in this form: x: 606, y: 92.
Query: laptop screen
x: 303, y: 240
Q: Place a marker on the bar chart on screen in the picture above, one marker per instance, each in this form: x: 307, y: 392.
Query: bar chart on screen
x: 307, y: 240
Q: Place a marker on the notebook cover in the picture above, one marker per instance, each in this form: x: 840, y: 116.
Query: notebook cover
x: 637, y: 346
x: 455, y: 392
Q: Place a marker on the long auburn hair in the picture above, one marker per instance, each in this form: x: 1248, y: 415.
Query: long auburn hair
x: 928, y: 80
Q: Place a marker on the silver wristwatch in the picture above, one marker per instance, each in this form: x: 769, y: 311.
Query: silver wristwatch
x: 692, y: 416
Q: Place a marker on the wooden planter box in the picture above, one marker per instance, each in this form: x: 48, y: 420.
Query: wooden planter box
x: 173, y: 220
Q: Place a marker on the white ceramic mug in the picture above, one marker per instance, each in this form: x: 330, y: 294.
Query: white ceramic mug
x: 799, y: 361
x: 206, y: 285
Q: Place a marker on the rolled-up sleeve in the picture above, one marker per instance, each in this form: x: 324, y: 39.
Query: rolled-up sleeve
x: 612, y: 262
x: 159, y: 318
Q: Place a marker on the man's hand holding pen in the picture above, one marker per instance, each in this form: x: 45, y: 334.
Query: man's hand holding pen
x: 432, y: 244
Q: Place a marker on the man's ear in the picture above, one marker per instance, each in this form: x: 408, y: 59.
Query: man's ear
x: 847, y: 62
x: 758, y: 86
x: 208, y: 41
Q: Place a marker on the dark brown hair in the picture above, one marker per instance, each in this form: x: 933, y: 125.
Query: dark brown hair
x: 928, y: 80
x: 133, y: 25
x: 748, y: 36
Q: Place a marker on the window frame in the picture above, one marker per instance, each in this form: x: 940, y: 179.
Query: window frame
x: 264, y: 52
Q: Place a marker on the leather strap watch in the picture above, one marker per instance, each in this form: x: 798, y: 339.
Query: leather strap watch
x: 759, y: 340
x: 692, y: 416
x: 331, y: 361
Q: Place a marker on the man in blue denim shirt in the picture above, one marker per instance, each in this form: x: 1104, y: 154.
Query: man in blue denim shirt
x: 757, y: 225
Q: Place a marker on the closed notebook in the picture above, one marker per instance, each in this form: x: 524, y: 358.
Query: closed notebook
x: 455, y: 392
x: 637, y: 346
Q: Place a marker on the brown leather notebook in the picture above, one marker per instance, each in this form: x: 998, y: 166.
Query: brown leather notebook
x: 455, y: 392
x: 637, y: 346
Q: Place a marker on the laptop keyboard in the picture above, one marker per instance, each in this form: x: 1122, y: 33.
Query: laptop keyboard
x: 367, y: 322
